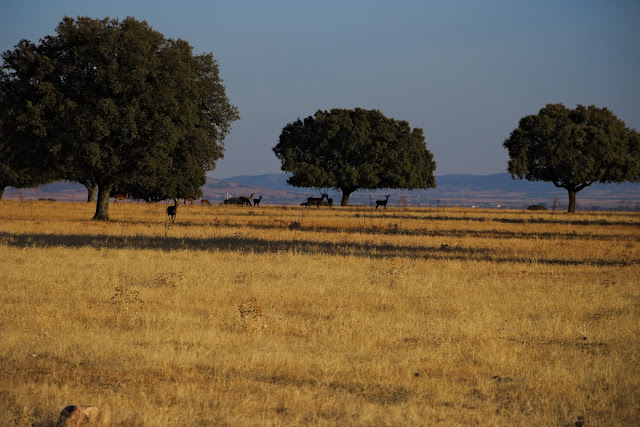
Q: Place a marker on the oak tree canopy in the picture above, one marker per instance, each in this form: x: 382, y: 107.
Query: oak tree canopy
x: 355, y: 149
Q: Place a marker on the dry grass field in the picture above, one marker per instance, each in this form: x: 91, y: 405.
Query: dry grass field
x: 293, y: 316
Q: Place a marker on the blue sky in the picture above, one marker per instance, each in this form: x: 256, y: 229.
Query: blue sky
x: 465, y: 71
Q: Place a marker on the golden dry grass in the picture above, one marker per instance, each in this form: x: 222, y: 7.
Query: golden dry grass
x: 289, y: 316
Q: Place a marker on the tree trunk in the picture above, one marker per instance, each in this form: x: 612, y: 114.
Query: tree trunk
x: 572, y: 200
x: 102, y: 207
x: 1, y: 191
x: 345, y: 197
x: 93, y: 190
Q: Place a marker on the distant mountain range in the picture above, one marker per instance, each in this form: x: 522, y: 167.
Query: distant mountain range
x: 455, y: 190
x: 452, y: 190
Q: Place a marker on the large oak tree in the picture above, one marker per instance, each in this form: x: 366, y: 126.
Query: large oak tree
x: 115, y: 103
x: 573, y: 148
x: 355, y: 149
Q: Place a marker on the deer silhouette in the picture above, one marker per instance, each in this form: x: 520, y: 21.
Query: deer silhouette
x: 172, y: 210
x: 316, y: 200
x: 330, y: 202
x: 256, y: 202
x: 246, y: 200
x: 118, y: 197
x: 382, y: 202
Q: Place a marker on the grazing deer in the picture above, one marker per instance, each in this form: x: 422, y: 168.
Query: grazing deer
x: 205, y: 202
x: 119, y: 197
x: 189, y: 199
x: 246, y: 200
x: 382, y: 202
x: 256, y: 202
x: 172, y: 210
x: 316, y: 200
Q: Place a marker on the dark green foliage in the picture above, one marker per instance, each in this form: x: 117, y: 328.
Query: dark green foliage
x: 115, y: 103
x: 355, y: 149
x: 536, y: 208
x: 234, y: 201
x: 20, y: 165
x: 574, y: 148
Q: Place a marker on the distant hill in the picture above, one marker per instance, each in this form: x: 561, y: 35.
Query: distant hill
x: 473, y: 190
x: 500, y: 181
x: 276, y: 181
x: 452, y: 190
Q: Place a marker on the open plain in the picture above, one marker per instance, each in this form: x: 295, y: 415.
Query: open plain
x: 292, y: 316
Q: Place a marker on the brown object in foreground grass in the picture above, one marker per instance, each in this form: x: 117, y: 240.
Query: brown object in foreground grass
x: 78, y: 416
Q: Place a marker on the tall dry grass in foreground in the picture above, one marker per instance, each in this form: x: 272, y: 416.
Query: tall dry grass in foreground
x: 285, y: 316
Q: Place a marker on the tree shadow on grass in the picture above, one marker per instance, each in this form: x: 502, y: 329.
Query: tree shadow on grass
x: 257, y: 245
x: 394, y: 230
x: 459, y: 233
x: 504, y: 220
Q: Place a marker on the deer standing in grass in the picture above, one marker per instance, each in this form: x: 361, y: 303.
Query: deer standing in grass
x: 205, y: 202
x: 256, y: 202
x: 316, y: 200
x: 172, y: 210
x: 246, y: 200
x: 382, y: 202
x: 118, y: 197
x: 330, y: 202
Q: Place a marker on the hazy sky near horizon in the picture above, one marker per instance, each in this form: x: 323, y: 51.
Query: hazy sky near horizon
x: 465, y: 71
